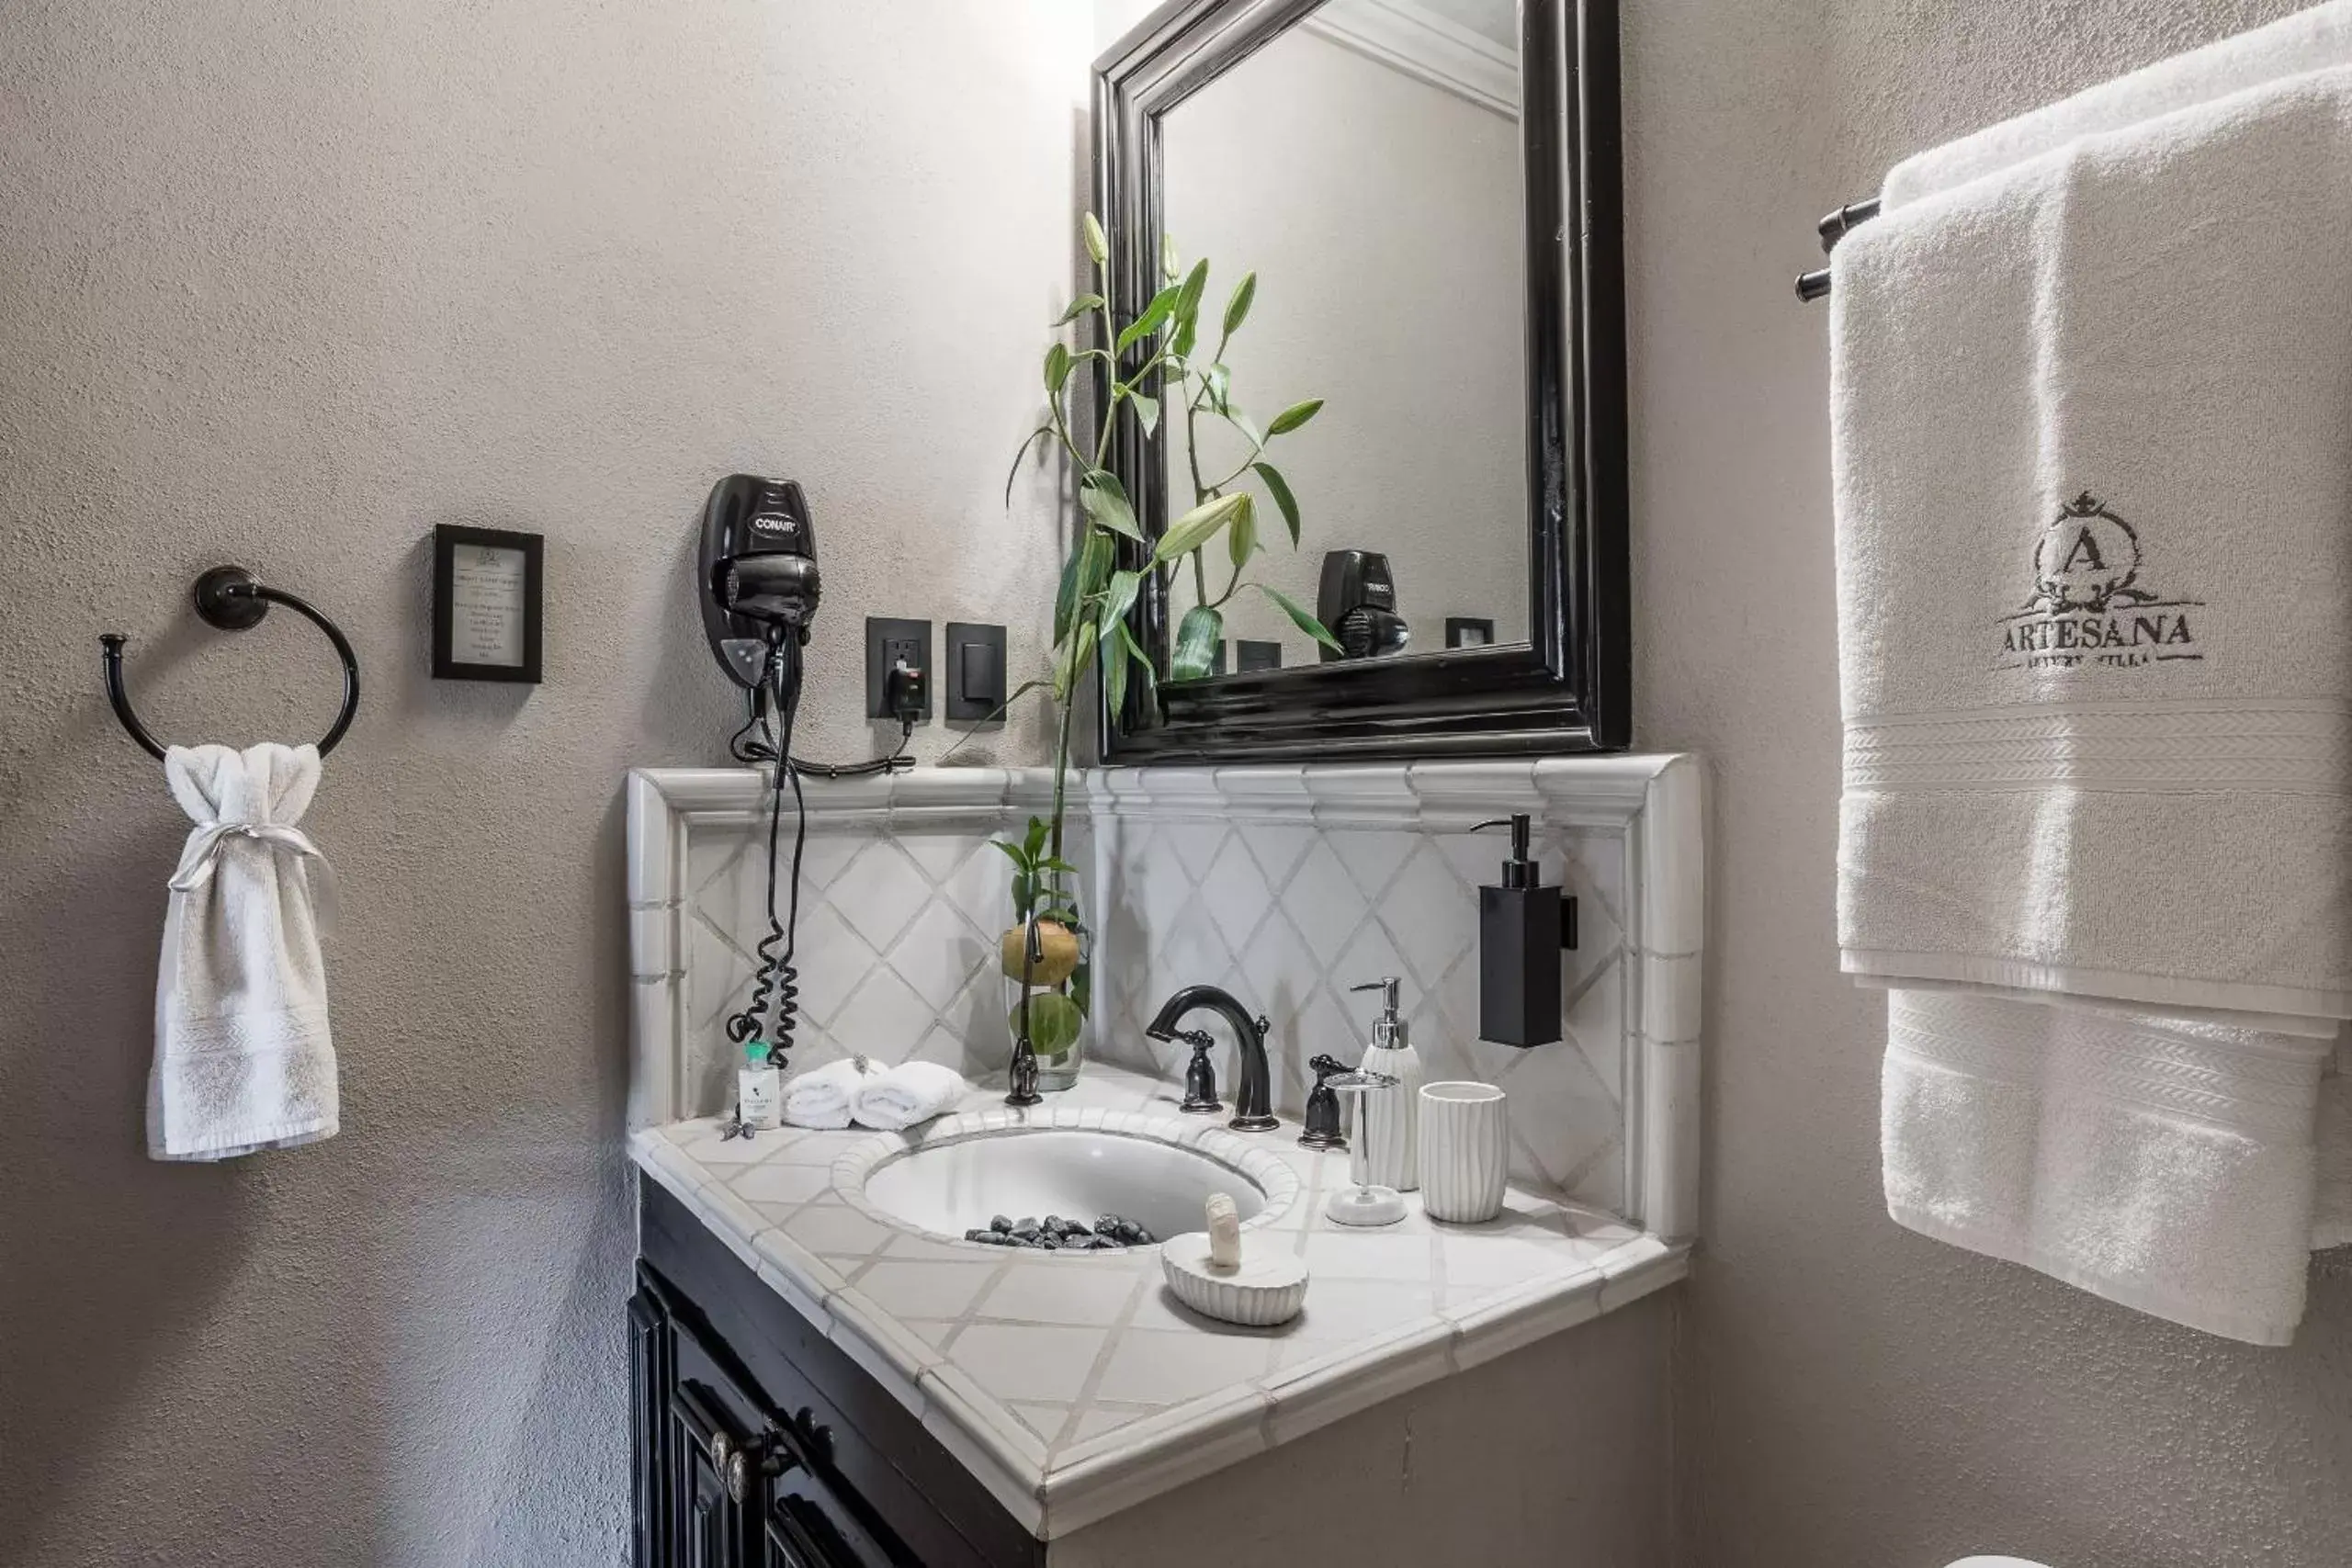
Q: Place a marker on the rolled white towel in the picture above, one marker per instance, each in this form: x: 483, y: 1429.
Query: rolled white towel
x: 820, y: 1097
x: 906, y: 1094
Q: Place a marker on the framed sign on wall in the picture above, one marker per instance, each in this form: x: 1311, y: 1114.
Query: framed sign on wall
x: 487, y: 589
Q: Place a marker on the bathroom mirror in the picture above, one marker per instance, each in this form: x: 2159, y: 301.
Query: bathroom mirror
x: 1426, y: 192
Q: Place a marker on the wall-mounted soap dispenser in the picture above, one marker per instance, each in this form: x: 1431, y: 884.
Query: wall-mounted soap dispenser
x: 1523, y: 926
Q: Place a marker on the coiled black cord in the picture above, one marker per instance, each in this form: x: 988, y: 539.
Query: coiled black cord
x: 777, y: 979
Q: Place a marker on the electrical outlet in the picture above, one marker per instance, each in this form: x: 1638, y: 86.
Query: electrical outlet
x: 888, y: 641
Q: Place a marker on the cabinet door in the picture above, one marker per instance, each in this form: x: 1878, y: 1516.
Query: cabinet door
x: 648, y: 1397
x: 710, y: 1479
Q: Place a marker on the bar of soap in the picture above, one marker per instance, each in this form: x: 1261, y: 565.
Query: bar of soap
x: 1225, y: 1233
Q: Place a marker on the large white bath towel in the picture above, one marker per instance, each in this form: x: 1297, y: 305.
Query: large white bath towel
x: 2094, y: 544
x: 2165, y: 1165
x: 244, y: 1059
x: 2308, y: 40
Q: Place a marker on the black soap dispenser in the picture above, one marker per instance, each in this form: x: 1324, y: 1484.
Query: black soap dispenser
x: 1523, y: 926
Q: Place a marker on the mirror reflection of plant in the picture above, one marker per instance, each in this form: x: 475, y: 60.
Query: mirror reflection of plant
x: 1207, y: 387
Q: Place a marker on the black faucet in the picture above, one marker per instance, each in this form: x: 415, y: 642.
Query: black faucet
x: 1253, y: 1109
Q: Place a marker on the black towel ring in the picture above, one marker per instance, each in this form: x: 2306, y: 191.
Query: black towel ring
x: 230, y: 598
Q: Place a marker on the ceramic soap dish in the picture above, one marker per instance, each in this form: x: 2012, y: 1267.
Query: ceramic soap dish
x: 1264, y: 1289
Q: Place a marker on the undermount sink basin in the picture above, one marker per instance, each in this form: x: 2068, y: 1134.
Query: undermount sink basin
x: 960, y: 1176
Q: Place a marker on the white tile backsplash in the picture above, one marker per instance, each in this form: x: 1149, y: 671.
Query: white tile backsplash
x: 1288, y: 916
x: 1284, y: 886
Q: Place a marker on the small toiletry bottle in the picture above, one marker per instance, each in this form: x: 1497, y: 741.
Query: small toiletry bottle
x: 1391, y: 1133
x: 759, y: 1087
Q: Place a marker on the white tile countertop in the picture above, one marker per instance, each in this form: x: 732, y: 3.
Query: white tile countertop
x: 1072, y: 1384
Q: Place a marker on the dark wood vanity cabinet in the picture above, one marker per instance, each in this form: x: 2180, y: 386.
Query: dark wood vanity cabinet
x: 755, y: 1442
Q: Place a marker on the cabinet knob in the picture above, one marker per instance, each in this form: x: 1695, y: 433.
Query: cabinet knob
x: 722, y: 1448
x: 739, y: 1478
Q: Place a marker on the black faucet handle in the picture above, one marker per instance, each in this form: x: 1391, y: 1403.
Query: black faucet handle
x: 1325, y: 1125
x: 1200, y: 1074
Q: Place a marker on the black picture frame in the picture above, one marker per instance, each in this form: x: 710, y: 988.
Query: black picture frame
x: 448, y: 539
x: 1569, y: 687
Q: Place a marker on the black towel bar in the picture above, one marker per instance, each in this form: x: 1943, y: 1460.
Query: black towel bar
x: 230, y: 598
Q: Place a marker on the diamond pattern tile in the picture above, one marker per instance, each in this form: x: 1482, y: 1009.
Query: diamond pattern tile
x: 895, y: 949
x: 887, y: 889
x: 1293, y: 927
x: 896, y: 956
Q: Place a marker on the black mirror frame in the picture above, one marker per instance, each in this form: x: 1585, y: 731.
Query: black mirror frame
x: 1570, y: 687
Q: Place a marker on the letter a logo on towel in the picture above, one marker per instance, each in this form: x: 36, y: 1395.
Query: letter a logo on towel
x: 2087, y: 609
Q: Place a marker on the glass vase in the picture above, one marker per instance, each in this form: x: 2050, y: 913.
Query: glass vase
x: 1050, y: 993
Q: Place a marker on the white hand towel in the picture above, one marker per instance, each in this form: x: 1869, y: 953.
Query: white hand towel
x: 2095, y: 580
x: 2162, y: 1165
x: 820, y: 1097
x: 244, y: 1059
x: 2308, y: 40
x: 906, y: 1094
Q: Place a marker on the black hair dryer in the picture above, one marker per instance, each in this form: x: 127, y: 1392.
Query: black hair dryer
x: 1358, y: 602
x: 758, y: 571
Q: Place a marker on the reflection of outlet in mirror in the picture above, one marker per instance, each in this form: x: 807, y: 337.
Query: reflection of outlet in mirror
x: 974, y: 669
x: 887, y: 642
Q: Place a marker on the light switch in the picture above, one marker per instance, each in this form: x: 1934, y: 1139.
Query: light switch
x: 976, y: 671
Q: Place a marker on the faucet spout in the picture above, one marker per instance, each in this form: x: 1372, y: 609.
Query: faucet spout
x: 1253, y: 1100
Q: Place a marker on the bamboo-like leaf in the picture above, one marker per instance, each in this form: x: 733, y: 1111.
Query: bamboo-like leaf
x: 1079, y: 307
x: 1180, y: 343
x: 1066, y: 595
x: 1035, y: 843
x: 1196, y: 640
x: 1071, y: 657
x: 1056, y: 366
x: 1154, y: 316
x: 1284, y: 502
x: 1097, y: 245
x: 1248, y: 426
x: 1146, y: 413
x: 1013, y: 853
x: 1220, y: 384
x: 1114, y: 680
x: 1106, y: 504
x: 1141, y: 660
x: 1094, y: 565
x: 1299, y: 617
x: 1291, y: 418
x: 1120, y: 595
x: 1019, y: 457
x: 1237, y: 309
x: 1081, y: 578
x: 1196, y: 527
x: 1241, y: 539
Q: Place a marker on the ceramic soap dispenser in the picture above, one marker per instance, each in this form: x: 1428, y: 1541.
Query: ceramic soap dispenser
x: 1391, y: 1136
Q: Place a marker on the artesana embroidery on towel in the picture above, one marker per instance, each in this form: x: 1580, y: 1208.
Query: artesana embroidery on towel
x: 2088, y: 607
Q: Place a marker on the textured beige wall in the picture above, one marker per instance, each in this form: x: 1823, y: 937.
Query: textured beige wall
x: 289, y: 284
x: 1855, y: 1394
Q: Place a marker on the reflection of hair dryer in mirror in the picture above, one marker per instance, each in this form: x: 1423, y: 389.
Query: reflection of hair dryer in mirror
x: 1358, y: 603
x: 759, y: 571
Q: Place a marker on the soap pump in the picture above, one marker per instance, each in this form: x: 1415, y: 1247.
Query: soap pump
x: 1392, y: 1121
x: 1523, y: 926
x: 759, y: 1087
